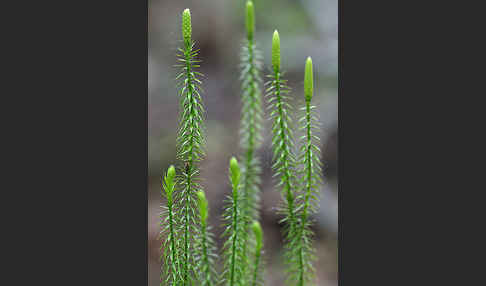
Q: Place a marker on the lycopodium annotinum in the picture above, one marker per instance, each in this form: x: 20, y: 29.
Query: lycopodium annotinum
x: 250, y: 131
x: 190, y: 146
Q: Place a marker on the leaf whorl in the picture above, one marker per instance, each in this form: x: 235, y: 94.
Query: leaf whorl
x: 190, y: 138
x: 282, y: 145
x: 235, y: 258
x: 301, y: 271
x: 252, y: 112
x: 302, y: 254
x: 168, y: 234
x: 190, y: 142
x: 257, y: 270
x: 205, y: 249
x: 251, y: 128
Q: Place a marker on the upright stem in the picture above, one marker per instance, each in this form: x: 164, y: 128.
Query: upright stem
x: 286, y: 173
x: 255, y: 273
x: 235, y: 235
x: 247, y: 183
x: 189, y: 163
x: 308, y: 175
x: 205, y: 253
x: 251, y: 129
x: 257, y: 230
x: 171, y: 234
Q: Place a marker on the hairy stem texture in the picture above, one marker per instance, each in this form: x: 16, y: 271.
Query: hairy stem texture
x: 250, y: 130
x: 285, y: 163
x: 257, y: 270
x: 190, y: 144
x: 310, y: 179
x: 205, y: 248
x: 234, y: 255
x: 282, y: 145
x: 170, y: 254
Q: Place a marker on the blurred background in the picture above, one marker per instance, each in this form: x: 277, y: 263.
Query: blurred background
x: 306, y: 28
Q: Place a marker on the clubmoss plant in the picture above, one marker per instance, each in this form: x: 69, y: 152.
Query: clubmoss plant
x: 234, y: 257
x: 190, y: 147
x: 302, y: 271
x: 257, y: 267
x: 250, y: 127
x: 205, y: 247
x: 170, y: 246
x: 282, y: 144
x: 189, y: 249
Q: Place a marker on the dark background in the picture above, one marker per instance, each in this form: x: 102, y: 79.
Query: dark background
x: 307, y: 28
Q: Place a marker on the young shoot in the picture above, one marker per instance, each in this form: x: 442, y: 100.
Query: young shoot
x: 235, y: 258
x: 190, y: 147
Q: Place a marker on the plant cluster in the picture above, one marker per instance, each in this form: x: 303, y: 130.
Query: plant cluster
x: 188, y: 250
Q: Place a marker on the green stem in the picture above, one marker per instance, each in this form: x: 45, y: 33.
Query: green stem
x: 286, y: 152
x: 171, y: 234
x: 205, y: 254
x: 189, y: 163
x: 257, y: 264
x: 251, y: 129
x: 235, y: 235
x: 247, y: 183
x: 307, y: 191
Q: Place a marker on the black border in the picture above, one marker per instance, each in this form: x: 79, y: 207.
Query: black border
x: 78, y: 133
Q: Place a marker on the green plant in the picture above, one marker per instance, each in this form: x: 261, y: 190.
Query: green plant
x: 251, y: 128
x: 257, y: 268
x: 190, y: 146
x: 189, y: 250
x: 205, y: 249
x: 234, y: 256
x: 303, y: 252
x: 282, y: 144
x: 300, y: 197
x: 170, y: 246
